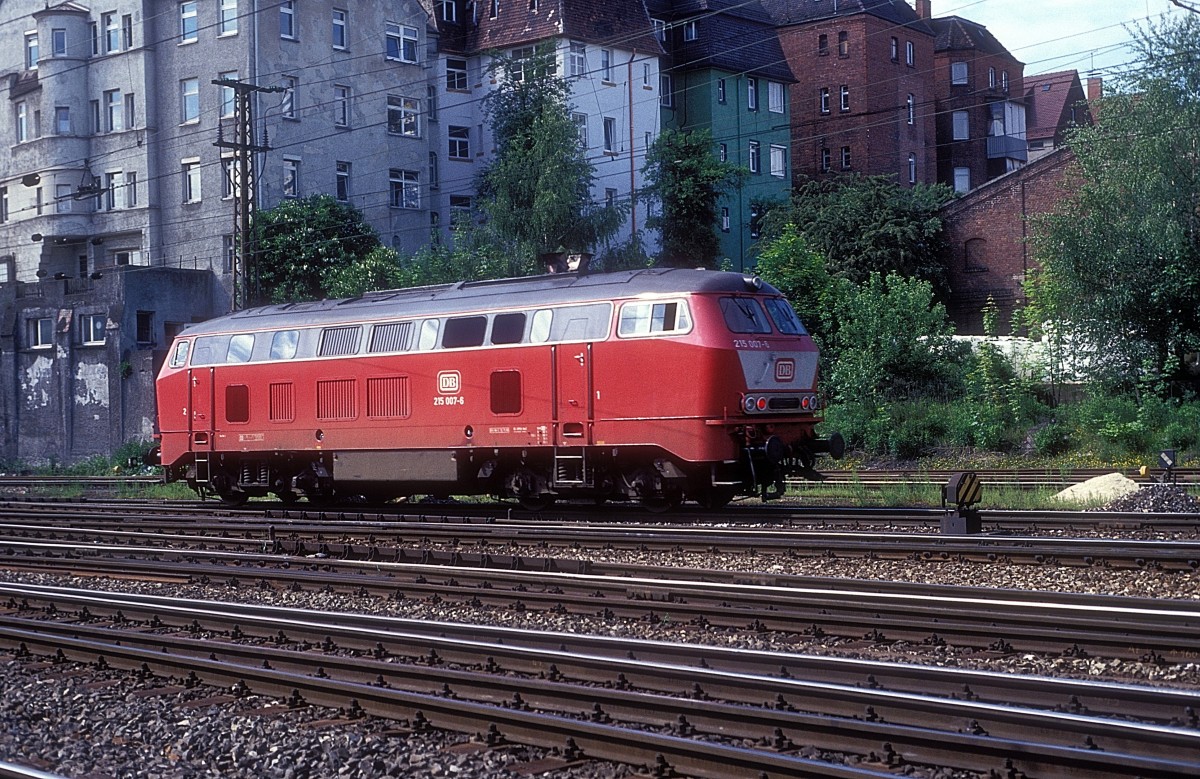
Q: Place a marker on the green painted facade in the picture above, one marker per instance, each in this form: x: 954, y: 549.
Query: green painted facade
x: 719, y: 100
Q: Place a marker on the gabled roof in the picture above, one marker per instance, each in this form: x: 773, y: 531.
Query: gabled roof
x: 738, y: 37
x: 898, y: 12
x: 623, y: 24
x: 1050, y: 98
x: 953, y: 33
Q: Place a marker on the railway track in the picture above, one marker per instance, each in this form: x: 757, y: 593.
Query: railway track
x: 697, y: 710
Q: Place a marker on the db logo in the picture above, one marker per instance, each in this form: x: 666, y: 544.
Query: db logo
x: 449, y: 382
x: 785, y: 370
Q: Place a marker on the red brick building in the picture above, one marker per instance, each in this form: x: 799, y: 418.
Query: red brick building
x: 863, y: 101
x: 987, y: 237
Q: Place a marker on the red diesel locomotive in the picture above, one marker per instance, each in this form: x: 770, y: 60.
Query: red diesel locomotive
x: 648, y: 385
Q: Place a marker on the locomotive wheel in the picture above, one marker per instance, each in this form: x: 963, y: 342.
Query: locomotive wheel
x: 227, y: 490
x: 714, y: 498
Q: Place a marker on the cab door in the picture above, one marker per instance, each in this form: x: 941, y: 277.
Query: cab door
x: 573, y: 409
x: 201, y: 386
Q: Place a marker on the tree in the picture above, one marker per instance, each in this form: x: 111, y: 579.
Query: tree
x: 1120, y: 262
x: 300, y: 243
x: 686, y: 178
x: 537, y: 191
x: 868, y: 224
x: 789, y: 264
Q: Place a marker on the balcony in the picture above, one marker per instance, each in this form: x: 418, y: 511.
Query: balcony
x: 1011, y: 147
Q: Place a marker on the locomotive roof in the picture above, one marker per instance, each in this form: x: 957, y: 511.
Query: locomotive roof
x: 470, y: 296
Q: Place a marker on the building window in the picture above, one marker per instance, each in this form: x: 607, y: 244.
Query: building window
x: 456, y: 75
x: 752, y: 93
x: 494, y: 8
x: 229, y: 18
x: 62, y: 120
x: 114, y: 193
x: 910, y: 54
x: 958, y: 73
x: 912, y: 169
x: 581, y: 123
x: 131, y: 198
x: 228, y: 247
x: 991, y: 78
x: 610, y: 197
x: 188, y: 27
x: 778, y: 161
x: 3, y: 205
x: 41, y: 333
x: 191, y: 180
x: 845, y: 101
x: 912, y: 109
x: 227, y: 95
x: 144, y: 327
x: 721, y: 90
x: 58, y: 42
x: 291, y: 177
x: 287, y: 107
x: 129, y: 123
x: 610, y: 135
x: 724, y: 219
x: 127, y: 31
x: 404, y: 116
x: 189, y: 93
x: 723, y: 152
x: 578, y: 60
x: 112, y: 33
x: 689, y: 31
x: 845, y: 158
x: 31, y: 51
x: 1004, y: 81
x: 341, y: 106
x: 756, y: 214
x: 775, y: 97
x: 822, y: 45
x: 114, y: 119
x: 460, y: 209
x: 405, y: 188
x: 824, y: 99
x: 287, y: 19
x: 895, y: 49
x: 460, y: 143
x: 666, y: 94
x: 338, y: 37
x: 401, y: 42
x: 91, y: 329
x: 228, y: 177
x: 606, y: 65
x: 62, y: 198
x: 843, y: 44
x: 21, y: 122
x: 962, y: 179
x: 961, y: 124
x: 342, y: 181
x: 755, y: 157
x: 434, y: 176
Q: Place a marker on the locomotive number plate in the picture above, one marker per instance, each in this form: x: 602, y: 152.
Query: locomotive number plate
x: 750, y: 343
x: 449, y: 400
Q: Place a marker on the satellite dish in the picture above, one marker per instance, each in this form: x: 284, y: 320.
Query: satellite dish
x: 31, y: 179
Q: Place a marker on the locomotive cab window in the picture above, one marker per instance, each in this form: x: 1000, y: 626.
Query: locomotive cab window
x: 180, y: 355
x: 639, y: 319
x: 508, y: 328
x: 241, y: 346
x: 283, y: 344
x: 539, y: 331
x: 210, y: 350
x: 744, y: 315
x: 464, y: 331
x: 784, y: 317
x: 429, y: 334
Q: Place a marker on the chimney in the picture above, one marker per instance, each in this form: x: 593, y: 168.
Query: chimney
x: 923, y: 9
x: 1095, y: 88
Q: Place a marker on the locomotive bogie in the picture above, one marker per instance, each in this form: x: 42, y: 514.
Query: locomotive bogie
x: 650, y: 386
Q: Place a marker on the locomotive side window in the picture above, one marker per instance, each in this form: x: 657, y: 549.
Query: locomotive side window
x: 506, y: 392
x: 464, y: 331
x: 391, y: 337
x: 429, y: 334
x: 337, y: 341
x: 283, y: 344
x: 651, y: 318
x: 508, y: 328
x: 210, y: 350
x: 744, y: 315
x: 582, y: 323
x: 237, y: 403
x: 539, y: 331
x: 784, y: 317
x: 179, y: 356
x: 240, y: 348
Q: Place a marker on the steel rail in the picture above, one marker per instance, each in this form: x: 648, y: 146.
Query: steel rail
x: 1006, y: 728
x: 878, y: 612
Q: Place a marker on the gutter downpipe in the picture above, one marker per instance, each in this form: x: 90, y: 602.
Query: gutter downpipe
x: 632, y: 167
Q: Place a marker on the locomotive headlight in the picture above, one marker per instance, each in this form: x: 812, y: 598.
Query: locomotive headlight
x: 749, y: 404
x: 762, y: 404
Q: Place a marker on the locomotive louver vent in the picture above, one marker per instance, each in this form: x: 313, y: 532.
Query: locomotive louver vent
x: 339, y: 340
x: 391, y: 337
